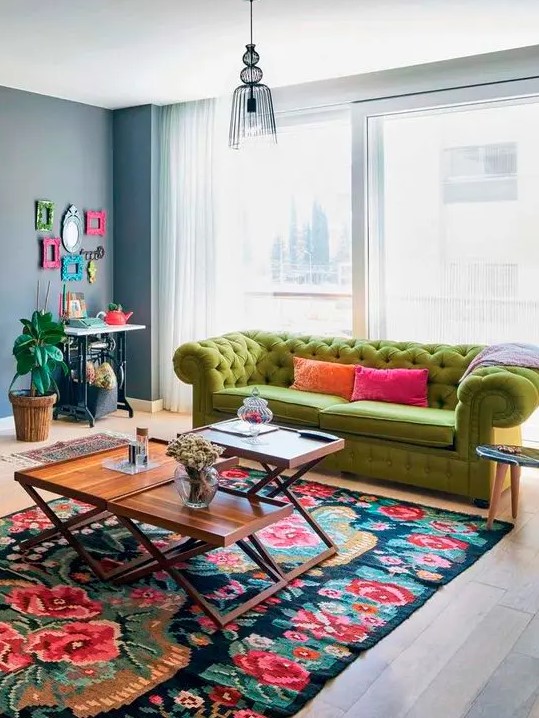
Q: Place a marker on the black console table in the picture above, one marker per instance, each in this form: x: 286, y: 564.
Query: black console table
x: 83, y: 344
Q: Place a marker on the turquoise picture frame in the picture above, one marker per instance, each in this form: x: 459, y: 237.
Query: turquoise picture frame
x: 72, y: 267
x: 44, y: 215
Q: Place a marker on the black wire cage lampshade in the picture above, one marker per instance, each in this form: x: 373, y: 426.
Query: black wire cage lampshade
x: 252, y: 104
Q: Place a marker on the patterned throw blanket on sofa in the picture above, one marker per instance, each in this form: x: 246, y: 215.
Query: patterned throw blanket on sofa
x: 526, y: 355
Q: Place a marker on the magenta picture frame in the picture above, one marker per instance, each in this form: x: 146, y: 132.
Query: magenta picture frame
x: 93, y: 216
x: 51, y: 260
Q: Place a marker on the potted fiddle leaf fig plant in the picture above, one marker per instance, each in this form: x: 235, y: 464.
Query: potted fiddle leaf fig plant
x: 37, y: 353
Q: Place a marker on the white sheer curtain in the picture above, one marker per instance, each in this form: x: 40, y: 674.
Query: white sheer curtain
x: 186, y: 237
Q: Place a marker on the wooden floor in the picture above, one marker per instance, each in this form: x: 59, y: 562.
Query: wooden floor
x: 472, y: 650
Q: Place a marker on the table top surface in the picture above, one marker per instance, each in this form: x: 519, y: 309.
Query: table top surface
x: 229, y: 518
x: 105, y: 329
x: 509, y: 454
x: 284, y: 447
x: 86, y: 479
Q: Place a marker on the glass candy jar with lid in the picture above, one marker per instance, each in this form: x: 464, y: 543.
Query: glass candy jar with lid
x: 255, y: 412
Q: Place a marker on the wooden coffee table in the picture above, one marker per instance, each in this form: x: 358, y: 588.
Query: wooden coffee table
x: 279, y: 451
x: 229, y: 520
x: 233, y: 517
x: 86, y: 479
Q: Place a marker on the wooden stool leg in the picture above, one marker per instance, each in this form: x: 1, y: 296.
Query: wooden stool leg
x: 515, y: 486
x: 501, y: 470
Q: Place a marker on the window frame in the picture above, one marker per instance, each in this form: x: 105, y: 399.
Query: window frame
x: 365, y: 206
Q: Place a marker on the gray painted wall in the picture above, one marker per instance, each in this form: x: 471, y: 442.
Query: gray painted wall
x: 135, y: 240
x: 56, y: 150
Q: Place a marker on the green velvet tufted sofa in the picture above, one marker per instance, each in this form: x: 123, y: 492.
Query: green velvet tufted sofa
x: 430, y: 447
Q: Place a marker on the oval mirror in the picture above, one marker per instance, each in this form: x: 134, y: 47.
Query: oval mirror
x: 72, y: 230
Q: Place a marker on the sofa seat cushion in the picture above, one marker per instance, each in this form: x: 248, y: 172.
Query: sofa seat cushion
x: 395, y: 422
x: 288, y: 405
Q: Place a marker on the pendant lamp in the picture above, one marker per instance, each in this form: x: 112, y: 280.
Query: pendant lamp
x: 252, y: 106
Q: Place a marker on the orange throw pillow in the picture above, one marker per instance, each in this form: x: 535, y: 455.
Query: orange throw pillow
x: 324, y: 377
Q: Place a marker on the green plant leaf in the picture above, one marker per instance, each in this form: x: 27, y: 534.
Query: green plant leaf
x: 54, y: 386
x: 22, y: 344
x: 25, y: 364
x: 54, y: 352
x: 41, y: 379
x: 37, y: 380
x: 41, y: 355
x: 45, y: 378
x: 45, y: 326
x: 22, y: 339
x: 29, y: 328
x: 53, y: 366
x: 35, y: 319
x: 52, y: 337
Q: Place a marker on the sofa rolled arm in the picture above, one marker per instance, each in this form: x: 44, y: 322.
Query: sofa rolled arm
x: 491, y: 397
x: 214, y: 364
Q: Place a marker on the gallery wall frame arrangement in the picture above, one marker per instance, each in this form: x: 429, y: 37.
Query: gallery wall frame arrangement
x: 78, y: 263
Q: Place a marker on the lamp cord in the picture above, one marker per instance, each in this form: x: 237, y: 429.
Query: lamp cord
x: 251, y: 2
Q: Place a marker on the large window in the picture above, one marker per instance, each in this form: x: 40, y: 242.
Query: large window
x: 454, y: 254
x: 286, y: 252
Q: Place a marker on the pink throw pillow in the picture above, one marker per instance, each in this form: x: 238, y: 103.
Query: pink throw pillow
x: 398, y: 386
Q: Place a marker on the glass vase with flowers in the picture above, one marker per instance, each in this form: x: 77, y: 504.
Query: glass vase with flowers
x: 196, y: 479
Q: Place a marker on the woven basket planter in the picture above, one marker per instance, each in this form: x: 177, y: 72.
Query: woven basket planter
x: 32, y: 414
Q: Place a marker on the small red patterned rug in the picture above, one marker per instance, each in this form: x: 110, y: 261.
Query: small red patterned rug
x: 63, y: 450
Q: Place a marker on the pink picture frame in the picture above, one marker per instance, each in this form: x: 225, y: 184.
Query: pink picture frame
x: 96, y: 222
x: 51, y: 253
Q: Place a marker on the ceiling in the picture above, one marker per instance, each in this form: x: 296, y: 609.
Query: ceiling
x: 118, y: 53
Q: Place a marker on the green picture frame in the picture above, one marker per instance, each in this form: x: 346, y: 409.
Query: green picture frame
x: 44, y: 215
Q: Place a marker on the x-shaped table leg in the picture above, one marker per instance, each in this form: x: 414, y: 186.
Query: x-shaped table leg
x: 75, y: 522
x: 283, y: 488
x: 167, y: 562
x: 65, y: 528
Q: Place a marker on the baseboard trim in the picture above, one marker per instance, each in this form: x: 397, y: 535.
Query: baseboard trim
x: 7, y: 424
x: 152, y: 407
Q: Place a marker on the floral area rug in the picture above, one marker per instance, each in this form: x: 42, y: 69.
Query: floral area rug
x: 63, y: 450
x: 73, y: 646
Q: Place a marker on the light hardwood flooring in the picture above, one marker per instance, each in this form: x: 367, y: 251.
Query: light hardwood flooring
x: 471, y: 652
